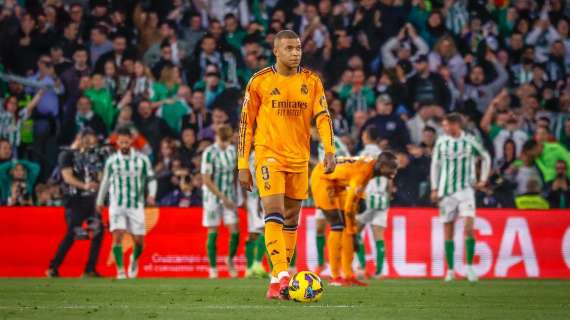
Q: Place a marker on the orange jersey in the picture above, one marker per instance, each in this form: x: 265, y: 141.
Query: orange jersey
x: 350, y: 177
x: 277, y: 114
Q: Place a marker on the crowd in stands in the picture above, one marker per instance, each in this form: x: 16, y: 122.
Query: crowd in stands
x: 174, y: 70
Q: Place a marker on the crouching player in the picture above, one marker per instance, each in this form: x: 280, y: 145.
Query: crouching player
x: 338, y: 195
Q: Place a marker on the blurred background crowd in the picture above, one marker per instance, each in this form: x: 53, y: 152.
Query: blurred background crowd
x: 174, y: 70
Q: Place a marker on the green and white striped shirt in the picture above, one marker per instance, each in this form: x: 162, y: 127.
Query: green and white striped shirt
x: 221, y: 165
x: 453, y: 163
x: 341, y: 149
x: 377, y: 195
x: 10, y: 127
x: 125, y: 177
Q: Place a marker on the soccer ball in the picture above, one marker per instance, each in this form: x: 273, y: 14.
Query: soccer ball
x: 305, y: 286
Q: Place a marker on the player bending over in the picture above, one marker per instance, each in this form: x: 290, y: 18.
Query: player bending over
x: 280, y: 104
x: 377, y: 203
x: 338, y: 195
x: 219, y: 193
x: 126, y: 174
x: 320, y: 221
x: 453, y: 175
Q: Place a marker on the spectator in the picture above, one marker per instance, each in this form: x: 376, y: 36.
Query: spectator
x: 212, y: 85
x: 5, y: 151
x: 404, y: 44
x: 11, y: 119
x: 194, y: 32
x: 357, y: 96
x: 71, y: 79
x: 532, y: 200
x: 43, y: 196
x: 120, y: 53
x: 425, y: 116
x: 85, y: 117
x: 426, y: 87
x: 393, y: 131
x: 478, y: 90
x: 154, y: 129
x: 102, y: 101
x: 445, y: 53
x: 526, y: 169
x: 17, y: 180
x: 165, y: 169
x: 168, y: 35
x: 188, y: 147
x: 551, y: 153
x: 99, y: 44
x: 558, y: 191
x: 186, y: 195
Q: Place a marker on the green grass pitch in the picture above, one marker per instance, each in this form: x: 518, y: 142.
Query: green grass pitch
x: 244, y: 299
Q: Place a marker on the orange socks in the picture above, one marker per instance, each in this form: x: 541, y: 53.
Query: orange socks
x: 347, y: 254
x: 290, y: 236
x: 275, y: 242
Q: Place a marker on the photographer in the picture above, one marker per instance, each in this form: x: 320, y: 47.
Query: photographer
x: 17, y: 179
x: 81, y: 168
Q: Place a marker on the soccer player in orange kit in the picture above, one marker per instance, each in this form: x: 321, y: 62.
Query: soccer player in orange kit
x: 338, y: 195
x: 280, y: 104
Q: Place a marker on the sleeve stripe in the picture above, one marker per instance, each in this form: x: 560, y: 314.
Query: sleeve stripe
x: 242, y: 129
x: 318, y: 114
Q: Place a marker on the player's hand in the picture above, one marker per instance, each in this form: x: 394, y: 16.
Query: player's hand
x: 434, y: 197
x: 329, y: 162
x: 228, y: 203
x: 91, y: 186
x: 245, y: 179
x: 481, y: 185
x: 150, y: 201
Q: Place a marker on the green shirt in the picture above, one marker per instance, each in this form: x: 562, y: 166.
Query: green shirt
x: 551, y: 153
x: 103, y: 106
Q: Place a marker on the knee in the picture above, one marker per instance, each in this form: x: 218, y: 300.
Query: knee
x: 252, y: 236
x: 469, y: 231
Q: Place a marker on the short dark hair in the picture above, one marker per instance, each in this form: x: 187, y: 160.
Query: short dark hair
x: 454, y: 117
x: 123, y: 131
x: 285, y: 34
x: 430, y: 129
x: 389, y: 159
x: 372, y: 132
x: 529, y: 145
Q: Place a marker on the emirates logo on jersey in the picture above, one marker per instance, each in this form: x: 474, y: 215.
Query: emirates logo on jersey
x: 304, y: 89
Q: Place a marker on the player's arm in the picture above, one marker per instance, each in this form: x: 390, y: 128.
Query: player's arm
x: 485, y: 162
x: 251, y: 104
x: 104, y: 187
x: 434, y: 170
x: 324, y: 126
x: 152, y: 185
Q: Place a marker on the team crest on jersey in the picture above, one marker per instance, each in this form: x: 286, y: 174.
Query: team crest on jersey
x: 275, y: 92
x: 304, y: 89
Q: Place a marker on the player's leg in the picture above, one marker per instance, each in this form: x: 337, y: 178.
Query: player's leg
x: 231, y: 221
x: 321, y: 224
x: 118, y: 228
x: 380, y: 250
x: 136, y: 228
x: 292, y: 211
x: 118, y: 235
x: 448, y: 207
x: 334, y: 243
x: 211, y: 218
x: 361, y: 221
x: 379, y: 223
x: 250, y: 253
x: 470, y: 248
x: 274, y: 206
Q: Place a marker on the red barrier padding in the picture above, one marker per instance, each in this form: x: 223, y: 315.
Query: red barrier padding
x: 510, y: 244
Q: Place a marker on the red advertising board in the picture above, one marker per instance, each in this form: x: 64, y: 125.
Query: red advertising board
x: 510, y: 244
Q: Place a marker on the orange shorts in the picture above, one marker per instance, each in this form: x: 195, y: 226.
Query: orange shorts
x: 326, y: 194
x: 272, y: 179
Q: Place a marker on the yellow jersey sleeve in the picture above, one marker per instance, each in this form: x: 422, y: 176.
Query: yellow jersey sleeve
x: 322, y: 117
x: 250, y: 108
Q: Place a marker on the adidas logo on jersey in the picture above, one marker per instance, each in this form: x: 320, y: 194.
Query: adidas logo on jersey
x: 275, y: 92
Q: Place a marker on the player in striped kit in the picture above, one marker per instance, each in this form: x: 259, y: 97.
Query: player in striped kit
x: 377, y: 203
x: 126, y: 174
x: 453, y: 176
x: 320, y: 220
x: 255, y: 244
x: 220, y: 196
